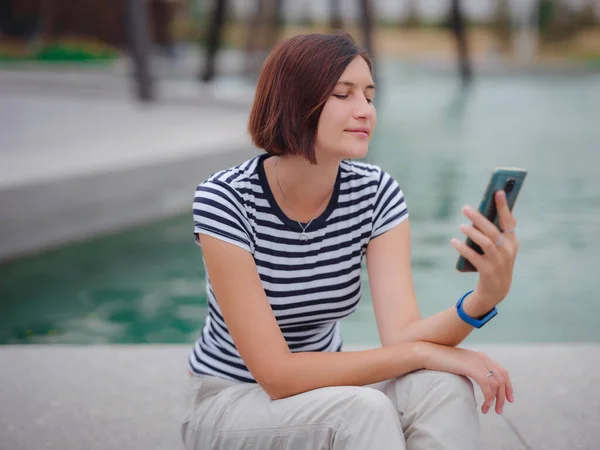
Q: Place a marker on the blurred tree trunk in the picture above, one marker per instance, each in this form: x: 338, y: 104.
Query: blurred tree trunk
x: 263, y: 32
x: 459, y: 30
x: 366, y: 22
x: 335, y: 15
x: 412, y: 16
x: 501, y: 26
x: 215, y: 33
x: 139, y: 47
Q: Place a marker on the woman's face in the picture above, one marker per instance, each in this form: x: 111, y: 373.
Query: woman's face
x: 348, y: 117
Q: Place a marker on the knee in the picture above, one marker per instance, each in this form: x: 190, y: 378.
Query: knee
x: 368, y: 404
x: 445, y: 385
x: 441, y: 411
x: 368, y: 419
x: 458, y: 385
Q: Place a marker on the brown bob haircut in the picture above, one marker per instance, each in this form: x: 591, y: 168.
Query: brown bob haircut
x: 296, y: 80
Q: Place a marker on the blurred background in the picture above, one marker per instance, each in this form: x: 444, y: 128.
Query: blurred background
x: 111, y: 112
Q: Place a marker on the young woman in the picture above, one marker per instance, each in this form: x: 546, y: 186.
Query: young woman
x: 283, y: 236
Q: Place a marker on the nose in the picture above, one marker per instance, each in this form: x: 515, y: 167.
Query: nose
x: 364, y: 109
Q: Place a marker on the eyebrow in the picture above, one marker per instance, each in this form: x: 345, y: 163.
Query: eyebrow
x: 349, y: 83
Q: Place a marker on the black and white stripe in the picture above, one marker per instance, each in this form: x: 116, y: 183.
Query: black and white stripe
x: 310, y: 285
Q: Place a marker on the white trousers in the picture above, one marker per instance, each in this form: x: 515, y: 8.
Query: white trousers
x: 425, y: 409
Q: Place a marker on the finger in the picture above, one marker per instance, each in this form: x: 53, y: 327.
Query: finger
x: 505, y: 217
x: 501, y: 392
x: 480, y: 239
x: 486, y: 390
x: 482, y: 223
x: 510, y: 393
x: 471, y: 255
x: 510, y: 396
x: 489, y: 401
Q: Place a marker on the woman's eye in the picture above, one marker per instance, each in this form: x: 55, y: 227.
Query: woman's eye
x: 340, y: 96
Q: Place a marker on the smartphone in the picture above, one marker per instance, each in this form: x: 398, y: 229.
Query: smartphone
x: 508, y: 178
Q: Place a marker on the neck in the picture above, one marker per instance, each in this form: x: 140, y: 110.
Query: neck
x: 307, y: 188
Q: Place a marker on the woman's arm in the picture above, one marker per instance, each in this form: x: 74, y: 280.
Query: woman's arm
x: 281, y: 374
x: 390, y: 277
x: 394, y: 302
x: 396, y: 310
x: 257, y: 336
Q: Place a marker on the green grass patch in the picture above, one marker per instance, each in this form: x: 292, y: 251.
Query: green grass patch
x: 64, y: 51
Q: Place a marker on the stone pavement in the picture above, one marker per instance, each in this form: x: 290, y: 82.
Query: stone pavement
x: 132, y: 397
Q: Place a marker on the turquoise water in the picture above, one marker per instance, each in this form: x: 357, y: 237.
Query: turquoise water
x: 146, y: 285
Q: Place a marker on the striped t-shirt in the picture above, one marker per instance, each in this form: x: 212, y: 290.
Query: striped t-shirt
x: 310, y: 284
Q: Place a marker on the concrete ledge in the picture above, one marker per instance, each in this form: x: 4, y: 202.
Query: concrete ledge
x: 72, y: 167
x: 116, y: 397
x: 46, y: 215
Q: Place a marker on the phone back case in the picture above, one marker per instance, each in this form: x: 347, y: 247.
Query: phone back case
x: 508, y: 178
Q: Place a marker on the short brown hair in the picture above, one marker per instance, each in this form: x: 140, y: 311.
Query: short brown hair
x: 296, y: 80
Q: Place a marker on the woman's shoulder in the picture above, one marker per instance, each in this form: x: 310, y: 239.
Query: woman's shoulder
x: 237, y: 180
x: 236, y: 175
x: 220, y: 206
x: 363, y: 172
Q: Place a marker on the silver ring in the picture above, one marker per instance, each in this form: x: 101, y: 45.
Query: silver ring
x: 490, y: 374
x: 510, y: 230
x: 500, y: 240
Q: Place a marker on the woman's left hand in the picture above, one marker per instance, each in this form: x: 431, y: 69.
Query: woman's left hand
x: 496, y: 265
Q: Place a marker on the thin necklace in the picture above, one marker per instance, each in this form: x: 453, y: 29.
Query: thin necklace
x: 303, y: 236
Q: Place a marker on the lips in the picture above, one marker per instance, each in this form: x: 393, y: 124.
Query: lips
x: 361, y: 131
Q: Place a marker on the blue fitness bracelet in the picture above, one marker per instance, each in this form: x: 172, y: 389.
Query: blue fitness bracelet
x: 480, y: 321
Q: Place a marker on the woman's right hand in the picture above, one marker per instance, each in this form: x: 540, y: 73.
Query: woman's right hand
x: 475, y: 365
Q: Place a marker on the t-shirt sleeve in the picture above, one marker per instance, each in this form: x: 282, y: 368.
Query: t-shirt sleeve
x: 390, y: 208
x: 219, y: 212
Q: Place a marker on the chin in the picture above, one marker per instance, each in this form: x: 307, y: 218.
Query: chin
x: 344, y: 151
x: 355, y: 152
